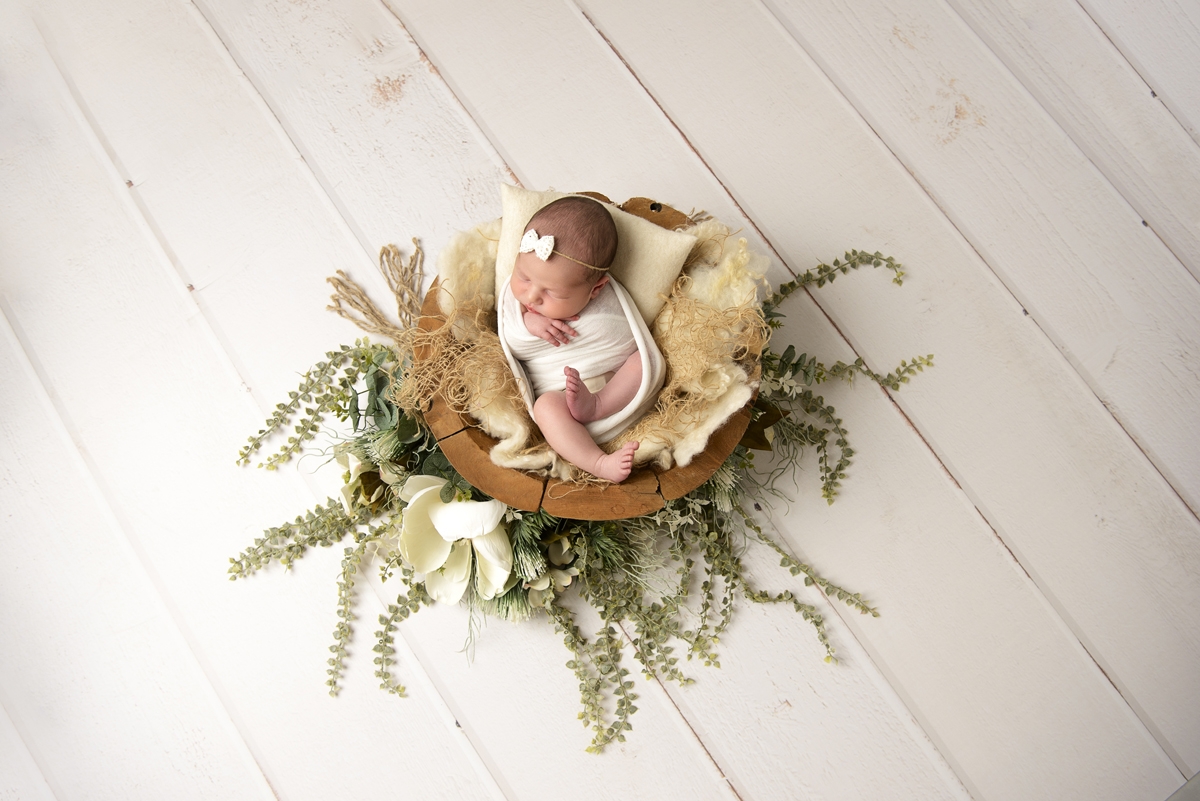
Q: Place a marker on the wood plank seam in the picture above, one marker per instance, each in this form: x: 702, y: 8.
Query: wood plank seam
x: 225, y: 356
x: 769, y: 8
x: 774, y: 250
x: 666, y: 691
x: 209, y: 20
x: 960, y: 774
x: 116, y: 522
x: 92, y: 132
x: 140, y: 213
x: 255, y: 90
x: 17, y: 727
x: 683, y: 136
x: 1141, y: 72
x: 484, y: 139
x: 1041, y: 590
x: 1081, y: 640
x: 853, y: 625
x: 1096, y: 161
x: 477, y: 125
x: 225, y: 352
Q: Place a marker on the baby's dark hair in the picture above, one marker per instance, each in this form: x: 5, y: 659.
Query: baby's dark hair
x: 582, y: 229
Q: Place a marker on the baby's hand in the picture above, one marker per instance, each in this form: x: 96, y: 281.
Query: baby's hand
x: 556, y: 332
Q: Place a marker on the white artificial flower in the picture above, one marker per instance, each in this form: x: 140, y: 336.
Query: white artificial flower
x: 438, y: 539
x: 542, y: 588
x: 353, y: 489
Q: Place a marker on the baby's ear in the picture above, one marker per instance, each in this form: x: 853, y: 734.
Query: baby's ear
x: 598, y: 286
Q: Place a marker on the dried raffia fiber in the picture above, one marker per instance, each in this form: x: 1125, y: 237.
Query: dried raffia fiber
x: 403, y: 278
x: 462, y: 361
x: 710, y: 330
x: 698, y: 340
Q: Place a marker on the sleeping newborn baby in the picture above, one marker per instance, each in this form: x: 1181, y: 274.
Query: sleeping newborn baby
x: 567, y: 323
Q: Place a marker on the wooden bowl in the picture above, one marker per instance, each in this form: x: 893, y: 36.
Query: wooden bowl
x: 646, y: 490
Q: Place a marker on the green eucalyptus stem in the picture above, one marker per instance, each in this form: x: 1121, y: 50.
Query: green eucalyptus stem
x: 319, y: 393
x: 406, y: 605
x: 590, y: 686
x: 811, y: 577
x: 345, y: 612
x: 622, y: 568
x: 322, y: 525
x: 893, y: 380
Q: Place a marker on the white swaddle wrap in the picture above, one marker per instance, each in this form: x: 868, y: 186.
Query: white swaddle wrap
x: 610, y: 329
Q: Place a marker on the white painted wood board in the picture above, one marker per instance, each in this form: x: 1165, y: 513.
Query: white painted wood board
x: 1161, y: 38
x: 20, y: 777
x: 93, y: 665
x: 99, y: 309
x: 1078, y: 77
x: 342, y: 136
x: 964, y: 635
x: 266, y: 72
x: 464, y: 52
x: 1014, y: 397
x: 370, y: 116
x: 1069, y: 247
x: 553, y: 143
x: 665, y: 759
x: 455, y: 634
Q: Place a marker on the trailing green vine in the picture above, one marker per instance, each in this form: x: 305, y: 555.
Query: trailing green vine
x: 665, y: 585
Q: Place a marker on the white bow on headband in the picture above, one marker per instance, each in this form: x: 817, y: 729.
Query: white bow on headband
x: 542, y: 246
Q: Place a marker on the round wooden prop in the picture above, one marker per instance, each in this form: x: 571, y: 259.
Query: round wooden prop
x: 646, y: 490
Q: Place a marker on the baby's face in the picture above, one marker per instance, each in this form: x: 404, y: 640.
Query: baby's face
x: 557, y: 288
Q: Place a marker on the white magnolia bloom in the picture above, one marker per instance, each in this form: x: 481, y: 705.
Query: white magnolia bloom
x: 438, y: 539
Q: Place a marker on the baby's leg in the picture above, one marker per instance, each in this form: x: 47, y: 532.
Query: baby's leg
x: 587, y: 406
x: 572, y: 442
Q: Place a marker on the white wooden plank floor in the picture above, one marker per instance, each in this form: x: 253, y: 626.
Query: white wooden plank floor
x: 179, y: 177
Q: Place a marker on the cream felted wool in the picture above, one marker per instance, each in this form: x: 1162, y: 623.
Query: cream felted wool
x: 467, y: 268
x: 648, y: 257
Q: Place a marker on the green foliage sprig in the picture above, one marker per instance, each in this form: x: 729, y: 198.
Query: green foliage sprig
x: 321, y: 391
x: 787, y: 382
x: 597, y: 666
x: 407, y: 604
x: 323, y: 525
x: 827, y: 273
x: 659, y: 581
x: 345, y: 612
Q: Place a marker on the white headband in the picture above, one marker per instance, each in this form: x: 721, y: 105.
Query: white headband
x: 543, y: 246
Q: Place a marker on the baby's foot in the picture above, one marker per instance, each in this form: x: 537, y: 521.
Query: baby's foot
x: 581, y: 402
x: 616, y: 467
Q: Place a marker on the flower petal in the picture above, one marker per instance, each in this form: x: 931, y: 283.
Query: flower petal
x: 348, y: 491
x: 562, y: 578
x: 493, y: 562
x: 386, y: 473
x: 542, y: 582
x: 448, y: 584
x: 357, y: 465
x: 420, y: 544
x: 415, y: 484
x: 467, y: 519
x: 559, y: 551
